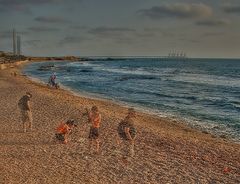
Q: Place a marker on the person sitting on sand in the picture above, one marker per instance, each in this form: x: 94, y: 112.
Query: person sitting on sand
x: 127, y: 133
x: 52, y: 80
x: 94, y: 117
x: 26, y: 113
x: 64, y: 130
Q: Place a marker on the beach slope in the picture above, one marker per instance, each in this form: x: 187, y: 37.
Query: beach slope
x: 166, y: 151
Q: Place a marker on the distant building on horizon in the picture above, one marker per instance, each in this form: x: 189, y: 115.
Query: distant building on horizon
x: 176, y: 54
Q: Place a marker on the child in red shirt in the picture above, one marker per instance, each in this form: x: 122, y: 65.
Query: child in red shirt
x: 63, y: 131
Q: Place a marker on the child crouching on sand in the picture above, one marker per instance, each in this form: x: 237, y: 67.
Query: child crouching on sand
x: 94, y: 117
x: 64, y: 130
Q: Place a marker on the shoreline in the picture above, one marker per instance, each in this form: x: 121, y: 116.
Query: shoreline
x: 166, y: 151
x: 174, y: 120
x: 190, y: 123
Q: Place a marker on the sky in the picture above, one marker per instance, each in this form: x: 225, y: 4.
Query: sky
x: 199, y: 28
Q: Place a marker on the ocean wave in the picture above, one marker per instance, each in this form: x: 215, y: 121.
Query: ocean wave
x: 135, y: 71
x: 135, y: 77
x: 207, y: 79
x: 199, y: 92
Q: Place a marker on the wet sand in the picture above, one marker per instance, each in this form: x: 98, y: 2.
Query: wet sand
x: 167, y: 151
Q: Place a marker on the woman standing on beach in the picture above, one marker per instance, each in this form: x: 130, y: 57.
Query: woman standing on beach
x: 94, y: 117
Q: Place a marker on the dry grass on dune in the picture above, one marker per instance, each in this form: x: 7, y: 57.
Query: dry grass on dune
x: 166, y: 152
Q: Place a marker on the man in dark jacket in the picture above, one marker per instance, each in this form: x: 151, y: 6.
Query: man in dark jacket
x: 127, y: 133
x: 26, y: 113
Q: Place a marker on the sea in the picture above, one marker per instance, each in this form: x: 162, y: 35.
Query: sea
x: 204, y: 93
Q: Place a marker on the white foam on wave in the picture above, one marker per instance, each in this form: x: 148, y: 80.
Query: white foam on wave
x: 213, y: 128
x: 37, y: 80
x: 207, y: 79
x: 138, y: 71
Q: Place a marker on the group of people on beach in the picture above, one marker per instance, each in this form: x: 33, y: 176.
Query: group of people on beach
x: 125, y: 129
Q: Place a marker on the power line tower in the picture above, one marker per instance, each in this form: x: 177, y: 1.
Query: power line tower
x: 14, y: 42
x: 18, y: 45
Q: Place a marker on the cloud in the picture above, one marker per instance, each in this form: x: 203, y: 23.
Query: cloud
x: 72, y: 40
x: 28, y: 2
x: 51, y: 20
x: 43, y: 29
x: 8, y: 34
x: 213, y: 22
x: 5, y: 34
x: 182, y: 11
x: 77, y: 27
x: 110, y: 31
x: 160, y: 31
x: 22, y: 5
x: 25, y: 5
x: 32, y: 43
x: 212, y: 34
x: 231, y: 9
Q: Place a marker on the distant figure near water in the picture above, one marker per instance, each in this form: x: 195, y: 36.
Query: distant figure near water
x: 127, y: 133
x: 52, y: 81
x: 26, y: 113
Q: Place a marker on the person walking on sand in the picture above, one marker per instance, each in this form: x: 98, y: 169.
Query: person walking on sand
x: 94, y: 117
x: 64, y: 130
x: 26, y: 113
x: 127, y: 133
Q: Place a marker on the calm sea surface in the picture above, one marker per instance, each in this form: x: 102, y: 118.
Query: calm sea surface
x: 203, y: 92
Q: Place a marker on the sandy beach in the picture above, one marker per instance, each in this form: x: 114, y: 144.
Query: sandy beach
x: 167, y: 151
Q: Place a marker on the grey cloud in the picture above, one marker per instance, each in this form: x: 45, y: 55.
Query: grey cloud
x: 51, y: 20
x: 76, y: 27
x: 33, y: 43
x: 21, y: 5
x: 231, y: 9
x: 189, y: 40
x: 177, y: 11
x: 146, y: 34
x: 5, y: 34
x: 72, y: 40
x: 160, y: 32
x: 212, y: 34
x: 43, y: 29
x: 213, y: 22
x: 110, y: 31
x: 16, y: 8
x: 28, y: 2
x: 8, y: 34
x: 25, y: 5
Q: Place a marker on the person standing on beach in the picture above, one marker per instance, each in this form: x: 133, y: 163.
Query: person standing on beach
x: 94, y: 117
x: 127, y: 133
x: 26, y: 113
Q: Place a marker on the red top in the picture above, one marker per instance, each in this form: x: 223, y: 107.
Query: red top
x: 95, y: 119
x: 63, y: 128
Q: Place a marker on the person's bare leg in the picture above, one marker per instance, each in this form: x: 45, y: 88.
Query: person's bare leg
x: 97, y: 145
x: 90, y: 145
x: 30, y: 120
x: 131, y: 149
x: 24, y: 127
